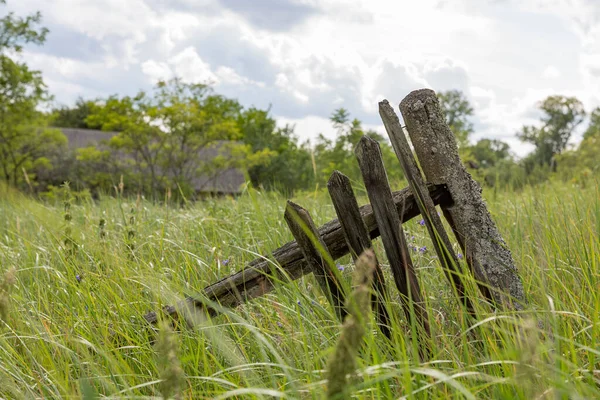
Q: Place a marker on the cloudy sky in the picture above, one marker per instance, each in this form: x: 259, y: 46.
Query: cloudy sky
x: 308, y: 57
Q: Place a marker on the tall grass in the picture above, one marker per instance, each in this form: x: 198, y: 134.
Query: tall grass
x: 72, y: 321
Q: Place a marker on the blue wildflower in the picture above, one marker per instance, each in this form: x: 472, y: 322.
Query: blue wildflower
x: 78, y: 277
x: 423, y: 249
x: 340, y: 267
x: 225, y: 262
x: 279, y: 324
x: 412, y: 238
x: 422, y: 222
x: 460, y: 256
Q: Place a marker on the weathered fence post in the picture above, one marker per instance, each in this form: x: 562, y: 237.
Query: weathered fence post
x: 485, y: 250
x: 441, y: 242
x: 307, y: 236
x: 374, y: 175
x: 357, y: 237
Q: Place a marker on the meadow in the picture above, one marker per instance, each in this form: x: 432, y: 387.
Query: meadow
x: 77, y: 280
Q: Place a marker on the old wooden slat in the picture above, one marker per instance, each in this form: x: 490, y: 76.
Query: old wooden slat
x: 374, y: 175
x: 485, y: 250
x: 439, y: 237
x: 357, y: 237
x: 259, y: 276
x: 317, y: 256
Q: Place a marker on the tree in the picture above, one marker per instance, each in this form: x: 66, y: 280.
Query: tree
x: 561, y: 115
x: 24, y: 140
x: 488, y: 152
x: 339, y: 154
x: 164, y: 133
x: 593, y: 128
x: 74, y: 117
x: 583, y: 161
x: 289, y: 167
x: 138, y: 138
x: 458, y: 110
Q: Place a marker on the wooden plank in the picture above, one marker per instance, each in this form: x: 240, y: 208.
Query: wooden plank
x: 439, y: 237
x: 287, y: 262
x: 357, y: 237
x: 486, y: 252
x: 374, y: 175
x: 316, y: 255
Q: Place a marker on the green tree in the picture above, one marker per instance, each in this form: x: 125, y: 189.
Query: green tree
x: 458, y: 112
x: 593, y: 128
x: 339, y: 154
x: 140, y: 141
x: 290, y: 165
x: 488, y: 152
x: 168, y: 133
x: 74, y: 117
x: 561, y: 115
x: 24, y: 140
x: 583, y: 162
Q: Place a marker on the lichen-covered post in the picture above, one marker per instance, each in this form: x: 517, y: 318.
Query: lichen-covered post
x: 485, y: 251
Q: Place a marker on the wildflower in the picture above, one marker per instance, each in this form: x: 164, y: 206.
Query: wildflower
x: 78, y: 277
x: 279, y: 324
x: 225, y: 262
x: 412, y: 238
x: 422, y: 222
x: 340, y: 267
x: 423, y: 249
x: 460, y: 256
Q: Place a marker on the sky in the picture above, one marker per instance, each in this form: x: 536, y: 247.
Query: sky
x: 305, y: 58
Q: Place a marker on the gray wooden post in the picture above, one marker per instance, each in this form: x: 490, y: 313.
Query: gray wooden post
x: 374, y: 175
x: 485, y: 251
x: 316, y: 255
x: 441, y: 242
x: 357, y: 237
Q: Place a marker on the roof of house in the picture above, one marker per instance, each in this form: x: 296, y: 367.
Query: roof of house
x: 79, y: 138
x: 226, y: 181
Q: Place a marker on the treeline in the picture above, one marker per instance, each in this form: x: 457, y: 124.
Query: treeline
x: 160, y: 135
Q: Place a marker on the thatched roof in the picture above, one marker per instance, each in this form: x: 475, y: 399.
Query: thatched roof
x: 227, y: 181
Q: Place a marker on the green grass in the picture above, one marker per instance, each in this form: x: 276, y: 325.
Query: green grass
x: 66, y: 338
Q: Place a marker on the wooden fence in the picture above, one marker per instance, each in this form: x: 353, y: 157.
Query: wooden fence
x: 441, y: 180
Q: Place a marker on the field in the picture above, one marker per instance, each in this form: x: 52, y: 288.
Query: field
x: 72, y: 307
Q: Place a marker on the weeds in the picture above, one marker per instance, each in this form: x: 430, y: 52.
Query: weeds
x: 61, y: 341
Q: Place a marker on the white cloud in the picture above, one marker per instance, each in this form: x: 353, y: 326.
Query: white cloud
x: 551, y: 72
x: 505, y: 55
x: 190, y: 67
x: 309, y: 127
x: 156, y: 70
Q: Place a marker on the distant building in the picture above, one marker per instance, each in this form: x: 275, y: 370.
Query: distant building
x: 224, y: 182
